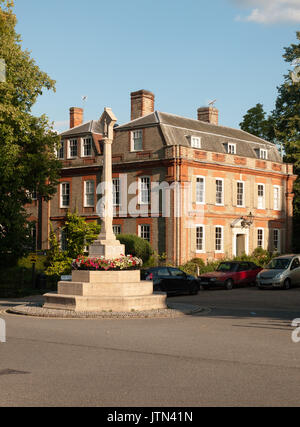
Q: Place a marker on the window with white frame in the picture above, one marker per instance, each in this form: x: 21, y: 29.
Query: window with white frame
x: 260, y: 196
x: 61, y: 151
x: 276, y: 240
x: 219, y: 239
x: 260, y: 238
x: 200, y: 238
x: 144, y: 190
x: 276, y: 191
x: 240, y: 194
x: 87, y: 147
x: 195, y: 142
x: 219, y: 191
x: 65, y: 195
x: 116, y: 192
x: 144, y: 232
x: 63, y: 240
x: 231, y: 148
x: 73, y: 148
x: 89, y: 194
x: 263, y: 154
x: 200, y: 190
x: 137, y: 140
x: 117, y: 229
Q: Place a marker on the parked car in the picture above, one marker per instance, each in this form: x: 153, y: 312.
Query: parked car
x: 281, y: 272
x: 230, y: 274
x: 171, y: 280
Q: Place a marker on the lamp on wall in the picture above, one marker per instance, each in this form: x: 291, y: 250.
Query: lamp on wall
x: 247, y: 221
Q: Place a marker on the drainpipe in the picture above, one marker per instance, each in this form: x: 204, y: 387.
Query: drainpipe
x: 178, y: 206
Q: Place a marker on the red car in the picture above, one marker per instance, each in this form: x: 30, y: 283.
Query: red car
x: 230, y: 274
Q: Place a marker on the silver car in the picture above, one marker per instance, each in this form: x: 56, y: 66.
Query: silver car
x: 281, y: 272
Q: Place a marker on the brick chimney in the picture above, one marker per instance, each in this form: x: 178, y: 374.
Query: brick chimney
x: 142, y: 103
x: 209, y: 115
x: 76, y: 117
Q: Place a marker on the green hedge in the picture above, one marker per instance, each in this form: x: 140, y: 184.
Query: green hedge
x: 16, y: 281
x: 136, y: 246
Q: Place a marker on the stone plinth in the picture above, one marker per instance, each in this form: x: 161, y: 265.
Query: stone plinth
x: 110, y: 249
x: 105, y: 291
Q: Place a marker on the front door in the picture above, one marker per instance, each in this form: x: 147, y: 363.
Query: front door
x: 240, y: 244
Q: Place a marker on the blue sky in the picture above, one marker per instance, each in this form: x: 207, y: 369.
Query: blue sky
x: 186, y: 52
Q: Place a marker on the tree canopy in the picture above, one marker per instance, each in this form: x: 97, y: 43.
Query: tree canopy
x: 28, y: 160
x: 256, y: 123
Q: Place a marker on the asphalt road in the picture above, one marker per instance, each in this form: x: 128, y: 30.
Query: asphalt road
x: 239, y: 354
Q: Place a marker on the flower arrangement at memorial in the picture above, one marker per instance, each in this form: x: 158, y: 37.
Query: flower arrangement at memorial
x: 101, y: 264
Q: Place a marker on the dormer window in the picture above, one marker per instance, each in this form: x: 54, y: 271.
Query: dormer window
x: 137, y: 140
x: 231, y: 148
x: 195, y: 142
x: 87, y: 147
x: 263, y: 154
x: 73, y: 148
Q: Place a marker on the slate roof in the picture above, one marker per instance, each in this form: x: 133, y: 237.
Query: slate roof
x: 177, y: 129
x: 92, y: 126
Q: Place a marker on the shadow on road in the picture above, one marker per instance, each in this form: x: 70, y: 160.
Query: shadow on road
x: 248, y: 303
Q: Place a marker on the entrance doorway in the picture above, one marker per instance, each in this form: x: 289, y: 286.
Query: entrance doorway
x: 240, y: 244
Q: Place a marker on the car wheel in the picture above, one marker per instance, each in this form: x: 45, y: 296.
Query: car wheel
x: 229, y: 284
x: 194, y: 289
x: 287, y: 284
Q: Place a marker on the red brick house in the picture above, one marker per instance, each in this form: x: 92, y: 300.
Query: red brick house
x: 233, y: 191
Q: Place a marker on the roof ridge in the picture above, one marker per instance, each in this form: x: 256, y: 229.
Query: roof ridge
x: 76, y: 127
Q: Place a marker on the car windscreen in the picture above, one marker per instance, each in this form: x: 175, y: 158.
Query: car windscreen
x: 227, y: 266
x: 278, y: 264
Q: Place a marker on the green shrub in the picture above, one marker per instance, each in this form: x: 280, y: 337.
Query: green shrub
x: 260, y: 257
x: 156, y: 260
x: 191, y: 267
x: 27, y: 264
x: 78, y: 234
x: 136, y: 246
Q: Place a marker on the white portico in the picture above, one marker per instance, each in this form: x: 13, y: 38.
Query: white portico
x: 240, y: 237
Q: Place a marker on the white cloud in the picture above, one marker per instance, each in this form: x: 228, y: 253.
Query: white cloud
x: 270, y: 11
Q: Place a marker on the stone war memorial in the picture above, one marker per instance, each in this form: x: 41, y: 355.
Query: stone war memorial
x: 119, y: 289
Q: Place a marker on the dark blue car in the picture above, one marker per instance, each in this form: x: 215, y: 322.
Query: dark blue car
x: 171, y: 280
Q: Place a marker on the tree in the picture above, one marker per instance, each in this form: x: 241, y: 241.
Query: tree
x: 79, y: 234
x: 287, y: 118
x: 256, y: 123
x: 27, y: 144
